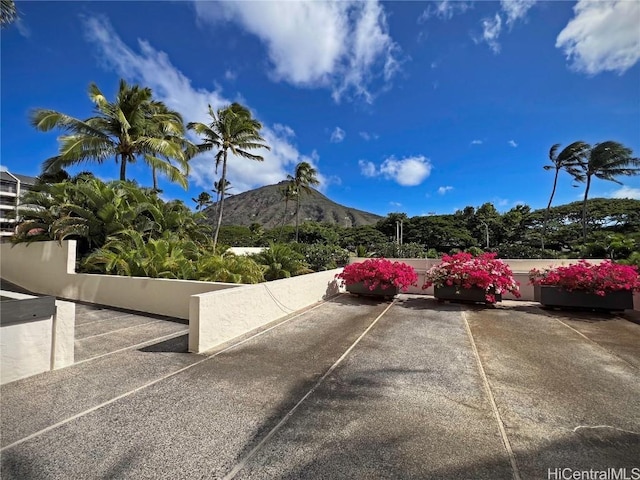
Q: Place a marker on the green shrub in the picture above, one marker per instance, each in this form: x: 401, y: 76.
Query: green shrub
x: 393, y: 250
x: 281, y: 261
x: 323, y: 257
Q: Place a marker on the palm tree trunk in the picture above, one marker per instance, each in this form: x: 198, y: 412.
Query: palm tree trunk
x: 221, y: 202
x: 297, y: 213
x: 546, y: 214
x: 284, y: 219
x: 123, y: 167
x: 155, y: 179
x: 584, y: 210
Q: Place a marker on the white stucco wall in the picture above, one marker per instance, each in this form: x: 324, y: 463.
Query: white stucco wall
x: 25, y: 349
x: 217, y: 317
x: 35, y: 346
x: 63, y: 342
x: 48, y: 268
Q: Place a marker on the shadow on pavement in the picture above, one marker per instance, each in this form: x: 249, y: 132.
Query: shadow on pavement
x: 351, y: 299
x: 173, y: 345
x: 574, y: 314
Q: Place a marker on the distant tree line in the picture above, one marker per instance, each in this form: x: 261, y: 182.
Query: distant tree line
x: 515, y: 233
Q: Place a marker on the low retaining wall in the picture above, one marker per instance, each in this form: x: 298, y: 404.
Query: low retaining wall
x: 48, y: 268
x: 218, y: 317
x: 42, y: 342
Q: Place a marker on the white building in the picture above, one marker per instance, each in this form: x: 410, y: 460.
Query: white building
x: 12, y: 186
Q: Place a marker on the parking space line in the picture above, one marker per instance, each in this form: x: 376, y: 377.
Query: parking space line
x: 243, y: 462
x: 492, y: 401
x: 593, y: 342
x: 146, y: 385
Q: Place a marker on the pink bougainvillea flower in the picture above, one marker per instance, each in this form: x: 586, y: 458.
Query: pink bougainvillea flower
x: 583, y: 276
x: 379, y: 272
x: 466, y: 271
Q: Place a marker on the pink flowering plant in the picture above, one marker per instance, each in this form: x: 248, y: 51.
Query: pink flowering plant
x: 379, y: 272
x: 465, y: 271
x: 589, y: 278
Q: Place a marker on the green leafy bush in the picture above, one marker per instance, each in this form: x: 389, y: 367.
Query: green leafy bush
x: 393, y: 250
x: 323, y: 257
x: 281, y: 261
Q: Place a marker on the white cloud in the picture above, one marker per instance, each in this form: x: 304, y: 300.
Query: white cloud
x: 512, y: 143
x: 626, y: 192
x: 408, y: 171
x: 443, y: 190
x: 476, y: 142
x: 510, y: 11
x: 337, y: 135
x: 444, y: 10
x: 22, y: 27
x: 283, y: 130
x: 491, y: 28
x: 154, y: 69
x: 230, y: 75
x: 368, y: 169
x: 395, y: 204
x: 516, y: 9
x: 602, y: 36
x: 343, y: 46
x: 369, y: 136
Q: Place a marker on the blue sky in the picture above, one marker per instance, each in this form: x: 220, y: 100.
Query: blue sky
x: 418, y: 107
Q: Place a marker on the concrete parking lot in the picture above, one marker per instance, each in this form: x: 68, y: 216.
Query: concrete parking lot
x: 351, y: 388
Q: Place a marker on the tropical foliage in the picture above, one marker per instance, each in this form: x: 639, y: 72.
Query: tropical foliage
x: 568, y: 159
x: 281, y: 261
x: 606, y: 161
x: 305, y: 176
x: 92, y: 211
x: 170, y: 257
x: 231, y: 128
x: 133, y: 126
x: 8, y: 13
x: 202, y: 200
x: 322, y: 257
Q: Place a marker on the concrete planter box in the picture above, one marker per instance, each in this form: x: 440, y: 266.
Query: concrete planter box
x: 360, y: 289
x: 472, y: 295
x: 551, y: 296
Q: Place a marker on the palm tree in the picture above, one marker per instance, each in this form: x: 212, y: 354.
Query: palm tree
x: 305, y: 177
x: 202, y: 200
x: 569, y: 159
x: 221, y: 189
x: 123, y: 129
x: 8, y: 13
x: 168, y: 125
x: 288, y: 192
x: 232, y: 128
x: 606, y: 161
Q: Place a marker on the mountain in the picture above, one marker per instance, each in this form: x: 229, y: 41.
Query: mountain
x: 265, y: 205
